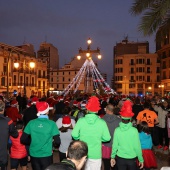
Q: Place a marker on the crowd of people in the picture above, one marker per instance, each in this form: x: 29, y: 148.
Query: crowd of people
x: 89, y: 131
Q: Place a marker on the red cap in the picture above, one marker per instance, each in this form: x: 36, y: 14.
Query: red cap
x: 93, y: 104
x: 66, y: 122
x: 126, y: 110
x: 42, y: 108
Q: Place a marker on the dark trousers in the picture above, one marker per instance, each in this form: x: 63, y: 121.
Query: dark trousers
x: 124, y: 164
x: 3, y: 166
x: 107, y: 164
x: 62, y: 156
x: 41, y: 163
x: 163, y: 135
x: 154, y: 134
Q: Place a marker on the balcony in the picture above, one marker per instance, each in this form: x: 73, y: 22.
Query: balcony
x: 41, y: 76
x: 5, y: 73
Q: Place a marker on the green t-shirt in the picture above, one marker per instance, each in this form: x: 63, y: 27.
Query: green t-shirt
x: 42, y: 131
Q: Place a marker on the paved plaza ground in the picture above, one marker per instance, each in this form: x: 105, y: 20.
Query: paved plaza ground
x: 163, y: 159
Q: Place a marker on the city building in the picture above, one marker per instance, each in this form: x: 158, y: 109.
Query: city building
x: 136, y: 71
x: 20, y: 71
x: 49, y: 53
x: 163, y: 51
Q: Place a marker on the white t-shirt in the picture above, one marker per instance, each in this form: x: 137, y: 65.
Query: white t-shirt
x: 65, y: 137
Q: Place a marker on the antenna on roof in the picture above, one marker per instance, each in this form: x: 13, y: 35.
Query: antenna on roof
x: 24, y: 42
x: 45, y: 38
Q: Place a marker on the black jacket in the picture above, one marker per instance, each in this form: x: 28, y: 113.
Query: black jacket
x: 63, y: 165
x: 7, y: 129
x: 29, y: 114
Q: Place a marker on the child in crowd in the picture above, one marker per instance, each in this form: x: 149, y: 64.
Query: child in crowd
x: 65, y: 126
x: 146, y: 145
x: 18, y: 153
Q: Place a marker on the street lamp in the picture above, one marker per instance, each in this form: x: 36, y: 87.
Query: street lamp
x: 31, y: 65
x: 88, y: 53
x: 162, y: 89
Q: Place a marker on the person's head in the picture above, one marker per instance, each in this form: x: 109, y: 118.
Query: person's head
x: 109, y: 109
x: 2, y: 107
x: 146, y: 105
x: 77, y: 153
x: 143, y: 127
x: 137, y: 101
x: 165, y: 103
x: 93, y: 105
x: 20, y: 125
x: 42, y: 108
x: 66, y: 110
x: 126, y: 111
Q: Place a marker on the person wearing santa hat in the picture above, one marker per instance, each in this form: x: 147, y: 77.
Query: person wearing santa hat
x: 126, y: 145
x: 42, y: 132
x: 65, y: 126
x: 58, y: 108
x: 13, y: 113
x: 92, y: 130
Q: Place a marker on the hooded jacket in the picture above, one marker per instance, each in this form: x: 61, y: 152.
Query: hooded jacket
x: 126, y: 143
x: 112, y: 122
x: 92, y: 130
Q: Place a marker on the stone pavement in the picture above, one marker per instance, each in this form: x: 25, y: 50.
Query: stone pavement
x: 163, y: 159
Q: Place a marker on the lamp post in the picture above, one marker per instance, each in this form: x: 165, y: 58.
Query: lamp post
x: 162, y: 89
x: 31, y: 65
x: 88, y: 52
x: 9, y: 56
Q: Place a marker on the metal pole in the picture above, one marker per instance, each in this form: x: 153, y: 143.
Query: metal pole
x: 8, y: 75
x: 9, y: 56
x: 24, y: 79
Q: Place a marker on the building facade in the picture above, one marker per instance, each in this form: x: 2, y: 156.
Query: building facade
x: 23, y: 79
x: 49, y: 53
x: 163, y: 51
x: 136, y: 71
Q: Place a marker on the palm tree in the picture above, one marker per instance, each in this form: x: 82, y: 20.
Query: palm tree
x: 156, y: 14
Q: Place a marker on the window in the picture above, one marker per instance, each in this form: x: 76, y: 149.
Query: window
x: 5, y: 60
x: 132, y: 61
x: 63, y: 86
x: 43, y: 74
x: 148, y: 79
x: 4, y: 68
x: 132, y: 70
x: 63, y: 78
x: 157, y: 70
x: 148, y: 70
x: 63, y: 73
x: 164, y: 64
x: 32, y: 81
x: 51, y: 79
x: 148, y: 61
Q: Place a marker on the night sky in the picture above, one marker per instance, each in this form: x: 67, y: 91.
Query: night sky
x: 67, y: 24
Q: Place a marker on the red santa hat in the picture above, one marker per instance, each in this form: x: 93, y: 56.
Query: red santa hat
x: 126, y: 110
x: 14, y: 103
x: 93, y: 105
x: 34, y: 100
x: 75, y: 103
x: 42, y: 108
x: 66, y: 121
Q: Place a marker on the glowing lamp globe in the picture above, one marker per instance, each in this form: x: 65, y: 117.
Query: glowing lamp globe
x: 99, y: 57
x: 32, y: 64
